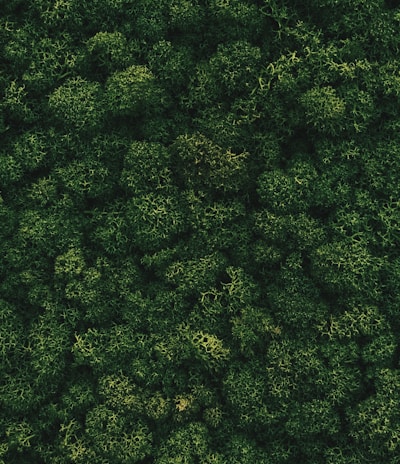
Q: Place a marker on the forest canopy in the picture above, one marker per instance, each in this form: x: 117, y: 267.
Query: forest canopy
x: 199, y: 231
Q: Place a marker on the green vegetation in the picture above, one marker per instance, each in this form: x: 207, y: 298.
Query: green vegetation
x: 199, y: 231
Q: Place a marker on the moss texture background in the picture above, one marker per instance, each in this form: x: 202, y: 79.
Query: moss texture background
x: 199, y: 231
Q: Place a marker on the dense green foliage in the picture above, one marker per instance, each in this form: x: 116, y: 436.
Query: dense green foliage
x: 199, y: 231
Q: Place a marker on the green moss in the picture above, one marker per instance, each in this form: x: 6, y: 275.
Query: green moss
x: 199, y: 224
